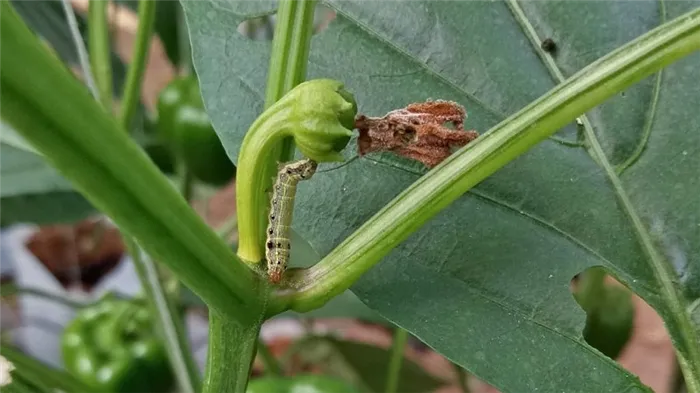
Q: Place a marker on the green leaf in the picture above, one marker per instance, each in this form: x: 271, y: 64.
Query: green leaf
x: 366, y: 365
x: 48, y: 20
x: 486, y: 282
x: 32, y: 191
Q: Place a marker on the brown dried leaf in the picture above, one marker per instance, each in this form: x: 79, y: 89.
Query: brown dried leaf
x: 417, y: 131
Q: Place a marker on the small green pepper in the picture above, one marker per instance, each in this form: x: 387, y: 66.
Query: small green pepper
x: 113, y: 347
x: 183, y: 123
x: 300, y: 384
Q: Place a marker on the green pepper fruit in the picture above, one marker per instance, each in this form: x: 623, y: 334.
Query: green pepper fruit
x: 609, y: 323
x: 183, y: 123
x: 113, y: 347
x: 300, y: 384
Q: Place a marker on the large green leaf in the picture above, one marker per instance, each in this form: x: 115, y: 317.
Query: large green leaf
x: 486, y: 282
x: 32, y: 191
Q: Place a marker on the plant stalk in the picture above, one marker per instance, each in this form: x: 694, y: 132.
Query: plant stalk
x: 398, y: 347
x: 134, y: 78
x: 99, y: 50
x: 230, y: 354
x: 272, y: 366
x: 79, y: 44
x: 169, y: 318
x: 11, y: 289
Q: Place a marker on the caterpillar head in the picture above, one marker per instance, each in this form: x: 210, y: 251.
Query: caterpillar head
x: 275, y: 274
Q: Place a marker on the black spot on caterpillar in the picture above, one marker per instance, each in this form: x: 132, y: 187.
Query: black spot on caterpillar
x: 281, y: 207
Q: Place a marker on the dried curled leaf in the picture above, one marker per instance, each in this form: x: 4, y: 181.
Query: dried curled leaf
x: 417, y: 131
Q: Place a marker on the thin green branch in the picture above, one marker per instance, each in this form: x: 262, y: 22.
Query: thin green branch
x: 290, y: 48
x: 398, y: 346
x: 228, y: 227
x: 183, y: 40
x: 313, y: 287
x: 169, y: 320
x: 134, y: 78
x: 272, y: 366
x: 186, y: 180
x: 296, y: 58
x: 79, y: 44
x: 99, y: 43
x: 11, y: 289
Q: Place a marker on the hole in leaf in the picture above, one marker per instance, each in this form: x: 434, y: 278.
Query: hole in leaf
x: 609, y: 311
x: 263, y: 28
x: 258, y: 29
x: 323, y: 18
x: 648, y: 351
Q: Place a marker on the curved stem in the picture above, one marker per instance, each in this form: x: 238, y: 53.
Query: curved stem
x: 98, y: 42
x: 313, y: 287
x: 290, y: 52
x: 132, y: 89
x: 396, y: 361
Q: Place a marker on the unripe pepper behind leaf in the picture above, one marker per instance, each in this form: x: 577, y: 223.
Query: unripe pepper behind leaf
x: 113, y: 347
x: 184, y: 124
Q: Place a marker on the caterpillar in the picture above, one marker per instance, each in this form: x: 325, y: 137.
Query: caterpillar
x: 278, y: 245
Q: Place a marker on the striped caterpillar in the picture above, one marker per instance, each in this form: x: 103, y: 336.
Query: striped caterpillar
x: 280, y: 219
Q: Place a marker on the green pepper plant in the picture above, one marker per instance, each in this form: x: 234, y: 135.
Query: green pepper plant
x: 93, y: 148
